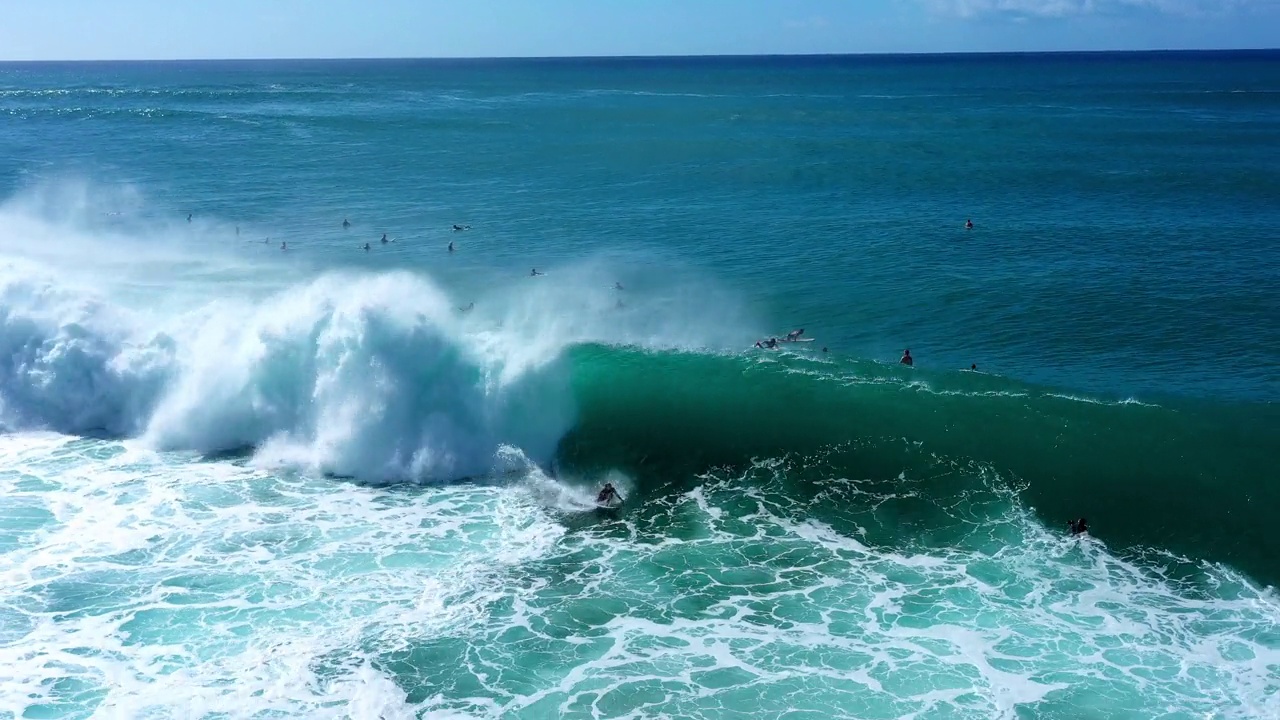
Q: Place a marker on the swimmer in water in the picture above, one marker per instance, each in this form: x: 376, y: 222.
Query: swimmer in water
x: 366, y: 247
x: 284, y: 246
x: 534, y: 272
x: 973, y: 367
x: 345, y: 224
x: 450, y: 246
x: 384, y: 238
x: 617, y: 286
x: 968, y: 224
x: 1078, y: 527
x: 188, y: 217
x: 906, y: 358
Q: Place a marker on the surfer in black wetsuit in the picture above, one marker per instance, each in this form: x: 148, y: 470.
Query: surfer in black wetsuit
x: 795, y: 335
x: 608, y: 494
x: 534, y: 272
x: 906, y: 358
x: 345, y: 224
x: 450, y: 246
x: 1078, y: 527
x: 384, y: 238
x: 968, y: 224
x: 366, y: 247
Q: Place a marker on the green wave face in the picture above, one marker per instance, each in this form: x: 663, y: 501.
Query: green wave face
x: 1174, y: 479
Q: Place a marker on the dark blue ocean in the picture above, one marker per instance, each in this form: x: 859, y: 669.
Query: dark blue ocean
x: 257, y: 462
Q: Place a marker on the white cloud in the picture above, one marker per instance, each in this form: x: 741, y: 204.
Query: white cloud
x: 1068, y: 8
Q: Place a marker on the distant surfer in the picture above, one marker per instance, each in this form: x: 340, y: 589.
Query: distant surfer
x: 824, y: 349
x: 906, y: 358
x: 366, y: 247
x: 345, y: 223
x: 450, y: 246
x: 188, y: 217
x: 608, y: 494
x: 768, y: 344
x: 384, y: 238
x: 968, y: 224
x: 468, y: 308
x: 617, y: 286
x: 794, y: 335
x: 460, y: 228
x: 284, y: 246
x: 1078, y: 527
x: 534, y: 272
x: 973, y: 367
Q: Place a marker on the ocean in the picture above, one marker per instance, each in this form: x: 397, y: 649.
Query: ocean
x: 250, y: 468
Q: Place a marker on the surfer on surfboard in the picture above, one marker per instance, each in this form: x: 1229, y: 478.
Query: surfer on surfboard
x: 608, y: 494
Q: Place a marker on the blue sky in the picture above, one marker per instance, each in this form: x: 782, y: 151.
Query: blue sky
x: 165, y: 29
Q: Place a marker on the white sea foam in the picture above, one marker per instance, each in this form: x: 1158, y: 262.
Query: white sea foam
x: 371, y: 375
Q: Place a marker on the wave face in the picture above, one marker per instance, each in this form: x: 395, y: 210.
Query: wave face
x: 1188, y: 477
x: 381, y: 379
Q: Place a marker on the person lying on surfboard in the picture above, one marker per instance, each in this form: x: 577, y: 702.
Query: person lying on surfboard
x: 608, y: 494
x: 795, y: 334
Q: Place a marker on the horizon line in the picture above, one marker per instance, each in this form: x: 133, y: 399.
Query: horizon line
x: 690, y: 56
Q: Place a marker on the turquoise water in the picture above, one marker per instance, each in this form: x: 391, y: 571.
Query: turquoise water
x: 241, y: 482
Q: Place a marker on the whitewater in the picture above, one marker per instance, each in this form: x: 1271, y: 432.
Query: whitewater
x: 238, y: 480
